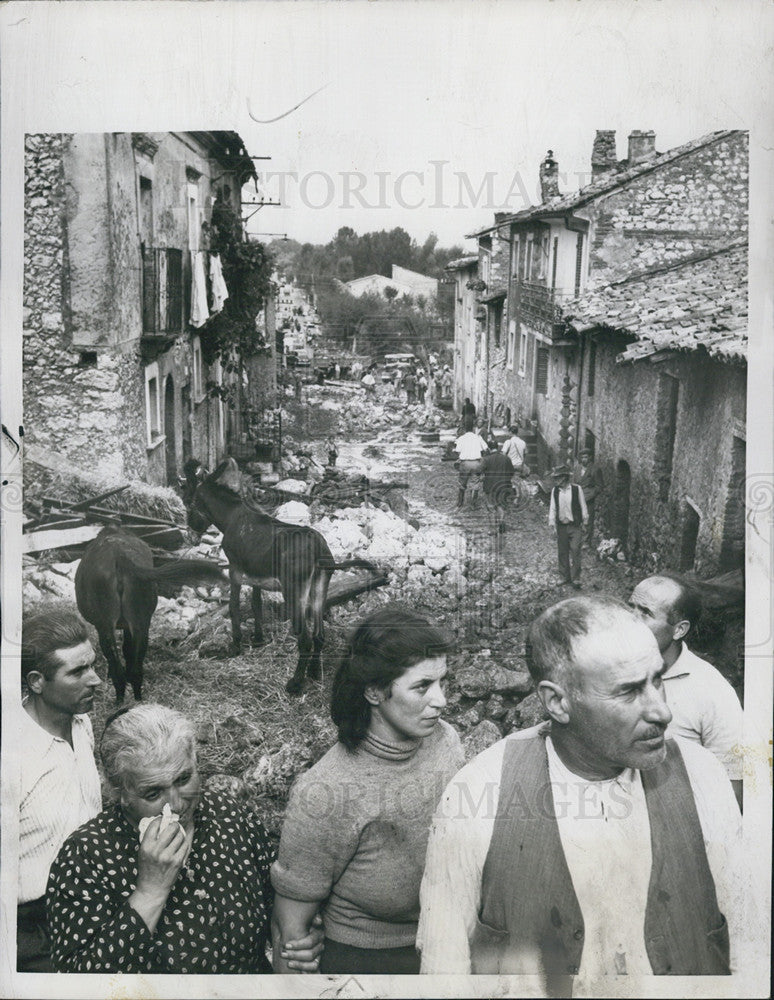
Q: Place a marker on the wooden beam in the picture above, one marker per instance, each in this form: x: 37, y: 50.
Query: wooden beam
x: 341, y: 591
x: 39, y: 541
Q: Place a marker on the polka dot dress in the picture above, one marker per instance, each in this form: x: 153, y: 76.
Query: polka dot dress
x: 216, y: 919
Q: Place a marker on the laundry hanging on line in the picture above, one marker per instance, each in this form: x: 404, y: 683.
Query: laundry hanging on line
x: 218, y: 288
x: 199, y: 311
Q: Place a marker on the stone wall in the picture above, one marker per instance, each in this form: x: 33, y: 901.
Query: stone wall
x: 86, y: 405
x: 626, y: 415
x: 84, y: 356
x: 695, y: 203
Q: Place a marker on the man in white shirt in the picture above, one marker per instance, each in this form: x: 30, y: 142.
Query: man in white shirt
x: 567, y: 513
x: 704, y: 706
x: 515, y: 449
x: 59, y: 787
x: 470, y: 448
x: 590, y: 846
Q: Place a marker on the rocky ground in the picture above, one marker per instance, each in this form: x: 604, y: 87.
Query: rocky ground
x: 447, y: 564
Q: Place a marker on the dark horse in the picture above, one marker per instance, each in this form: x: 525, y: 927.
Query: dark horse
x: 115, y: 587
x: 268, y: 554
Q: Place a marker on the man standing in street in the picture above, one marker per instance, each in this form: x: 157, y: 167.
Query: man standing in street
x: 590, y: 846
x: 567, y: 514
x: 59, y: 787
x: 592, y: 483
x: 704, y: 706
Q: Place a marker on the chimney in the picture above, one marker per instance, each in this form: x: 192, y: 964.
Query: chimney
x: 641, y: 146
x: 549, y: 177
x: 603, y: 156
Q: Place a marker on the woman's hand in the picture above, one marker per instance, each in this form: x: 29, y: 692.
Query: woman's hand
x: 304, y: 955
x: 161, y: 856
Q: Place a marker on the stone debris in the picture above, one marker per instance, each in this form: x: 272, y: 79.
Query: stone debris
x: 294, y: 512
x: 484, y: 735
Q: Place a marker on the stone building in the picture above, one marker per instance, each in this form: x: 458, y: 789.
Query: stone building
x: 114, y: 377
x: 651, y: 252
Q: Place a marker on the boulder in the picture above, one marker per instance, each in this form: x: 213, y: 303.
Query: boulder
x: 293, y: 512
x: 482, y: 678
x: 495, y: 707
x: 529, y: 712
x: 30, y: 594
x: 484, y: 735
x: 53, y: 583
x: 344, y: 538
x: 297, y: 486
x: 419, y: 575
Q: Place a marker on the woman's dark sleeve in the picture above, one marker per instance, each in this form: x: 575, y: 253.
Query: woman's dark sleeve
x: 91, y: 930
x: 263, y: 850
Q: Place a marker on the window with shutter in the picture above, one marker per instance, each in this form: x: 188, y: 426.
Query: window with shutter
x: 578, y: 263
x: 541, y: 374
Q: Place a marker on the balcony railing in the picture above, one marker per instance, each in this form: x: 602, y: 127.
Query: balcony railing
x: 540, y: 306
x: 162, y: 291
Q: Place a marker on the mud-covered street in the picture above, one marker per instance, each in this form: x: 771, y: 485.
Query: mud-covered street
x: 446, y: 563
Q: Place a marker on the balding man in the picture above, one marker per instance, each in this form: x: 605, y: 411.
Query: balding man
x: 590, y: 845
x: 704, y: 706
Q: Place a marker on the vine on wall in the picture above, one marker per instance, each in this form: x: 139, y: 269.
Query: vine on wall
x: 232, y: 334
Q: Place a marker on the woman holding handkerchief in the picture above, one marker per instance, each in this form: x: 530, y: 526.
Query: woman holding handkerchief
x: 168, y: 878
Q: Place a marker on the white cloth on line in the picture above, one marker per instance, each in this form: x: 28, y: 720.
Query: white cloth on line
x: 217, y: 284
x: 199, y: 311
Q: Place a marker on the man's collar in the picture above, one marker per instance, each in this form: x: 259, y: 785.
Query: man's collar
x: 682, y: 665
x: 625, y: 779
x: 35, y: 733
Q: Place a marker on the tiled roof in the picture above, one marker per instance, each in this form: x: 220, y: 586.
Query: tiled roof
x: 462, y: 262
x: 700, y: 302
x: 606, y: 182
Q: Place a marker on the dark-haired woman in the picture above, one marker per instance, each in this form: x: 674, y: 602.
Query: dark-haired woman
x: 355, y: 831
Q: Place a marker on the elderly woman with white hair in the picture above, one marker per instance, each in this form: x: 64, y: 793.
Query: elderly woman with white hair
x: 168, y: 878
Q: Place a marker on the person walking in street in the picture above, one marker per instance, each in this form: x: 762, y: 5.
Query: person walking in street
x: 470, y: 448
x: 514, y: 449
x: 410, y: 385
x: 592, y: 482
x: 593, y: 845
x: 468, y: 412
x: 496, y: 473
x: 421, y: 387
x: 704, y: 706
x: 59, y: 787
x: 567, y: 515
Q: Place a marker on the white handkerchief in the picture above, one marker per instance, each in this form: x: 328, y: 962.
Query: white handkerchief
x: 167, y: 817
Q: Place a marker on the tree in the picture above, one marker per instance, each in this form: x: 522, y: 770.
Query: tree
x: 390, y: 293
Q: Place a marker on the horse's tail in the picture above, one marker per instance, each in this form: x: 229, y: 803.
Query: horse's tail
x: 180, y: 571
x: 348, y: 564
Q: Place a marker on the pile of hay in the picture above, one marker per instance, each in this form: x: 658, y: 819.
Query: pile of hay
x: 70, y: 484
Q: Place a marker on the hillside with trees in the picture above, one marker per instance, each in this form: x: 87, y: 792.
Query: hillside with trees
x: 379, y: 322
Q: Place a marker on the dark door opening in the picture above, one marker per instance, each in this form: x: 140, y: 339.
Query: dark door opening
x: 623, y: 483
x: 185, y: 403
x: 691, y: 522
x: 169, y: 431
x: 732, y: 549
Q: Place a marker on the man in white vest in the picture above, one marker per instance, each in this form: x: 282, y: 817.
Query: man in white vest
x: 591, y: 846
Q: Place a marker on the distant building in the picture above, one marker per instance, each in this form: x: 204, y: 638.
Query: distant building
x: 404, y: 282
x: 616, y: 318
x: 114, y: 375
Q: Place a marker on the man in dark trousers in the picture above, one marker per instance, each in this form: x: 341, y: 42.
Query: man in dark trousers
x: 567, y: 515
x: 592, y: 482
x: 497, y: 472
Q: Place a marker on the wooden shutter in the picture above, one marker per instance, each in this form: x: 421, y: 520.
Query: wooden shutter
x: 541, y: 375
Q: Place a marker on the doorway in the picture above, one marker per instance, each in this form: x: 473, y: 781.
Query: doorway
x: 691, y: 524
x: 169, y: 431
x: 623, y: 482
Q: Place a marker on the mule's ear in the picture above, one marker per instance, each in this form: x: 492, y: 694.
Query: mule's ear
x: 231, y: 477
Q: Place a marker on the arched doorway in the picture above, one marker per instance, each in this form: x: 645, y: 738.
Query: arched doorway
x: 623, y: 482
x: 169, y: 431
